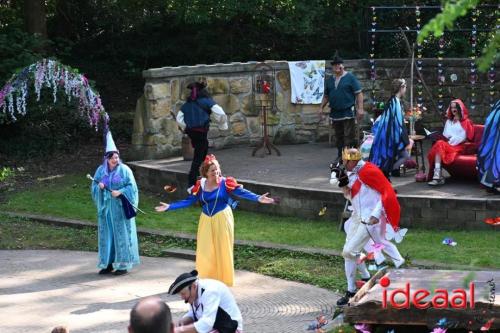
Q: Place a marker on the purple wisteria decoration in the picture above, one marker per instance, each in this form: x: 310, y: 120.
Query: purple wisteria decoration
x: 55, y: 76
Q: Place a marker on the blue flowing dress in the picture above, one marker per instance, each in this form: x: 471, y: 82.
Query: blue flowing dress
x: 391, y: 137
x: 117, y: 235
x: 488, y: 156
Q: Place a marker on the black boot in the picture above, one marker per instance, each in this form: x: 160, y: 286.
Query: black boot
x: 345, y: 299
x: 106, y: 270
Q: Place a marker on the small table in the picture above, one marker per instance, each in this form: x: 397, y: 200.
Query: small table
x: 418, y: 150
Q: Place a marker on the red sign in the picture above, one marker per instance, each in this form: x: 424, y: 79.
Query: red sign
x: 441, y: 299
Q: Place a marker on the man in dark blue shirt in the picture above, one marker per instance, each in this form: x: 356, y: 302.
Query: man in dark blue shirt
x: 344, y: 95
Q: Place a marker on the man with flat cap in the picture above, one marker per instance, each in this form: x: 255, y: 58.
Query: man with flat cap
x: 344, y: 94
x: 212, y: 306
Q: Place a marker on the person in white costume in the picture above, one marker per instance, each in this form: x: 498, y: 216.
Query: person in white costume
x: 212, y: 306
x: 374, y: 204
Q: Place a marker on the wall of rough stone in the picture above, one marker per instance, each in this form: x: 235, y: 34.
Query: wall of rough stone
x: 155, y: 133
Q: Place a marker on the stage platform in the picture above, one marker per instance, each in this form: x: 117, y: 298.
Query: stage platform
x: 476, y: 288
x: 300, y: 177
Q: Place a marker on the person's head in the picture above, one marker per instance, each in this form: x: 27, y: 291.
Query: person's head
x: 198, y: 90
x: 337, y: 64
x: 210, y: 168
x: 60, y: 329
x: 350, y: 158
x: 113, y: 158
x: 398, y: 87
x: 186, y: 286
x: 455, y: 110
x: 151, y: 315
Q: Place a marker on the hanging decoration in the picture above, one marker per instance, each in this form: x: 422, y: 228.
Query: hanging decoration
x: 492, y: 72
x: 419, y: 85
x: 441, y: 74
x: 58, y: 77
x: 373, y: 72
x: 473, y: 70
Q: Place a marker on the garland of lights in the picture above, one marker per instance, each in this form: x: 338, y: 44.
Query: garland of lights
x: 419, y: 86
x: 56, y: 76
x: 441, y: 75
x: 473, y: 70
x: 373, y: 73
x: 492, y: 72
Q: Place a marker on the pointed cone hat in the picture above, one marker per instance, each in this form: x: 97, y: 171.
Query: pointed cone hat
x: 110, y: 143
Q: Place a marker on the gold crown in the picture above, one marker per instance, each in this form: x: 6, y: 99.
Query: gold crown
x: 351, y: 154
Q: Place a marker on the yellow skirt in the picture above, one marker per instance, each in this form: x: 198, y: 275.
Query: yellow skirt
x: 214, y: 247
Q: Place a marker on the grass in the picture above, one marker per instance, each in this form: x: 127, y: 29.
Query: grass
x: 323, y: 271
x: 69, y: 197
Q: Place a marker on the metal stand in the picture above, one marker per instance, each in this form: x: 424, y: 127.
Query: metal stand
x: 265, y: 143
x: 264, y: 99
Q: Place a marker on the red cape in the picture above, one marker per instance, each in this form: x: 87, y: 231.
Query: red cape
x: 371, y: 176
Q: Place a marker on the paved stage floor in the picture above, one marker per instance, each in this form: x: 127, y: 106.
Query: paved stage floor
x: 44, y: 288
x: 306, y: 166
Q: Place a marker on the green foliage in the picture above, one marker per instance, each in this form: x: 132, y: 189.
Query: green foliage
x: 69, y: 197
x: 447, y: 19
x: 6, y: 173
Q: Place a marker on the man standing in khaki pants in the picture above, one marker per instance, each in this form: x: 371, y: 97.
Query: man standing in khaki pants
x: 344, y: 95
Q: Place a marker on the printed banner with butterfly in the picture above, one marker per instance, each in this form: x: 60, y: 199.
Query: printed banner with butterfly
x: 307, y: 79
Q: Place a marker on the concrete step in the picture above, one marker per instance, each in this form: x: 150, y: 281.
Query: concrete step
x: 179, y: 253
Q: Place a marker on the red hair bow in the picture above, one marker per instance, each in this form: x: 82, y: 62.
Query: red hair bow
x: 209, y: 158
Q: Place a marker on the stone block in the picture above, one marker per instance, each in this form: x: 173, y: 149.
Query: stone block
x: 154, y: 91
x: 241, y: 85
x: 273, y: 119
x: 284, y: 79
x: 140, y: 113
x: 248, y: 107
x: 285, y: 135
x: 159, y: 139
x: 137, y: 139
x: 230, y: 103
x: 461, y: 215
x: 254, y: 126
x: 217, y: 86
x: 239, y: 128
x: 310, y: 118
x: 237, y: 117
x: 158, y: 108
x: 175, y: 91
x: 283, y: 101
x: 153, y: 126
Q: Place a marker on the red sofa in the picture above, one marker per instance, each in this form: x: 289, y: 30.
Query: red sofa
x: 464, y: 166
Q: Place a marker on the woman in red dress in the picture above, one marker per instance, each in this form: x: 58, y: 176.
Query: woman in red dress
x: 457, y: 130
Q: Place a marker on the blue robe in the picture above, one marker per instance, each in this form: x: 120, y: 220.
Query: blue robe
x: 488, y: 156
x: 117, y: 235
x: 391, y: 137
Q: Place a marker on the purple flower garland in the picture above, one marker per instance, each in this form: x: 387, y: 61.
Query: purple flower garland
x: 56, y: 76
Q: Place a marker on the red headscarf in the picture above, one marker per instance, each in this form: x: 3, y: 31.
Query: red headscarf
x: 466, y: 123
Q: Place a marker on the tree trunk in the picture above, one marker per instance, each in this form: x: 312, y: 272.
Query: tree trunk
x: 35, y: 18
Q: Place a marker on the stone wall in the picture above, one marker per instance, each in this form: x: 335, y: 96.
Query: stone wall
x: 155, y: 133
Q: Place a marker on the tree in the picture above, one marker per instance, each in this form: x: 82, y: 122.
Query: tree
x: 35, y: 17
x: 452, y: 10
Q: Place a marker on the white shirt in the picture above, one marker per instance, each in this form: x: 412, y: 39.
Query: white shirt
x: 367, y: 202
x: 218, y: 115
x: 213, y: 294
x: 455, y: 133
